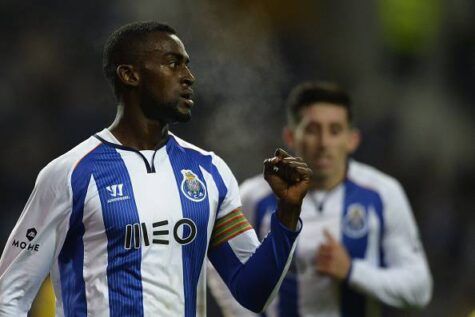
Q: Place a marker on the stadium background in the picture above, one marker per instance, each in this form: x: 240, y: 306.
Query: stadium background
x: 410, y: 66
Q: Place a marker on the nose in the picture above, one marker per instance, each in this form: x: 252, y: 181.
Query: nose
x: 187, y: 79
x: 323, y: 138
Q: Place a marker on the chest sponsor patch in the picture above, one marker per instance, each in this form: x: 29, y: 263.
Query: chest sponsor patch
x: 192, y: 187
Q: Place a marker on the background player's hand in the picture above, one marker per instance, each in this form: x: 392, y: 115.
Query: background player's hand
x: 289, y: 178
x: 332, y: 258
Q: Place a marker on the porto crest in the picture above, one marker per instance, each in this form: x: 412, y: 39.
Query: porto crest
x: 192, y: 187
x: 355, y: 222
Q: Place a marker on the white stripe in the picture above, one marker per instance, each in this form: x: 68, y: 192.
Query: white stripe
x: 156, y: 200
x: 310, y: 239
x: 95, y: 254
x: 244, y: 245
x: 213, y: 199
x: 201, y: 292
x: 372, y: 250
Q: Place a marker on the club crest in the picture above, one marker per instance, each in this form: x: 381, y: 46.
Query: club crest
x: 355, y: 222
x: 192, y: 187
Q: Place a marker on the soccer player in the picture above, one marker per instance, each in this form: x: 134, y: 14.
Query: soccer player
x: 360, y: 246
x: 123, y: 222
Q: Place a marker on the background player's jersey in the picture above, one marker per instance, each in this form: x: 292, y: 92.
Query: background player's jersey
x: 125, y: 233
x: 370, y: 214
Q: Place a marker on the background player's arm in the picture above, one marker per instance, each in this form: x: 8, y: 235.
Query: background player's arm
x: 31, y: 247
x: 406, y: 279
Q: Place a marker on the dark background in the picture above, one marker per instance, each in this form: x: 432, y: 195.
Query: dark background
x: 409, y: 65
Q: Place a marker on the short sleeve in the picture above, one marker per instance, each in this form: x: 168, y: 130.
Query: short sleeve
x: 232, y: 199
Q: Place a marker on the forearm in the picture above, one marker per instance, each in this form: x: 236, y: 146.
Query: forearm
x: 408, y: 286
x: 15, y: 295
x: 225, y: 300
x: 255, y: 282
x: 11, y: 306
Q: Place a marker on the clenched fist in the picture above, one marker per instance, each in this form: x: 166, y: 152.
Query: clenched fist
x: 289, y: 178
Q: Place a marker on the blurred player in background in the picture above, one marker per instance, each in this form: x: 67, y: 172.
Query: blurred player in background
x: 123, y: 222
x: 360, y: 246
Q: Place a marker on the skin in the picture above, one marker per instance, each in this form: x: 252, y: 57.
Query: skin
x: 324, y: 138
x: 157, y: 90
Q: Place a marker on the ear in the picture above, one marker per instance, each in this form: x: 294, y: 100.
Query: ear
x: 354, y: 140
x: 128, y: 75
x: 288, y: 137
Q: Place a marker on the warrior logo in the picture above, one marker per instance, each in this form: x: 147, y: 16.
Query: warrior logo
x: 192, y: 187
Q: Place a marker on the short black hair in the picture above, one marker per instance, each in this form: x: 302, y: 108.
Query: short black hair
x: 308, y: 93
x: 122, y: 45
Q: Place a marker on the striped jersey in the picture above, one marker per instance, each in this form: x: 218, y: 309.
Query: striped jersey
x: 125, y: 233
x: 371, y: 216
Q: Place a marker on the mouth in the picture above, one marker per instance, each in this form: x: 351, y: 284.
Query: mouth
x: 323, y: 161
x: 187, y: 97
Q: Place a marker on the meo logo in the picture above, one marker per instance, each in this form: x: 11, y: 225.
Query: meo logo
x: 137, y: 232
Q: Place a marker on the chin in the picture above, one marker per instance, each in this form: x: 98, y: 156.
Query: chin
x: 182, y: 117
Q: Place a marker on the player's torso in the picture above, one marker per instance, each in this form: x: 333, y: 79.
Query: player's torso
x: 145, y: 232
x: 353, y: 215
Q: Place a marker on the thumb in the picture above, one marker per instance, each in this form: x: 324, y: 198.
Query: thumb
x: 329, y: 236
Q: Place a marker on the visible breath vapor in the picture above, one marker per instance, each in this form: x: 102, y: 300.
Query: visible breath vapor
x: 240, y: 76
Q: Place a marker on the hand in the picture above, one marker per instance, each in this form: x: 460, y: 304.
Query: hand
x: 289, y: 178
x: 332, y: 258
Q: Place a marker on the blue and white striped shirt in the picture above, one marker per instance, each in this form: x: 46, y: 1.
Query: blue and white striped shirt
x: 126, y: 233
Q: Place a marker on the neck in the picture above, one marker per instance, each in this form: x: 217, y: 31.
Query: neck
x: 134, y: 130
x: 330, y: 182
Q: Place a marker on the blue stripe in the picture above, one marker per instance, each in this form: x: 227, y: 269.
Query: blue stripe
x: 356, y: 241
x: 123, y: 269
x: 71, y: 257
x: 379, y: 207
x: 218, y: 180
x: 193, y: 254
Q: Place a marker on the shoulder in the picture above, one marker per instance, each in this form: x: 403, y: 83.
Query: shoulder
x: 256, y: 192
x: 203, y: 156
x: 371, y: 178
x: 57, y: 173
x: 255, y: 188
x: 189, y: 147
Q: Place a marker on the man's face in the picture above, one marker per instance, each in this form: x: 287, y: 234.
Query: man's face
x: 324, y: 139
x: 165, y: 79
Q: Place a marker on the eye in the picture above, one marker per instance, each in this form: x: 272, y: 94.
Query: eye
x: 336, y: 129
x: 173, y: 64
x: 311, y: 129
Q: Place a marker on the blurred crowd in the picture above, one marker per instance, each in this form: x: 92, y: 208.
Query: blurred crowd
x: 409, y: 66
